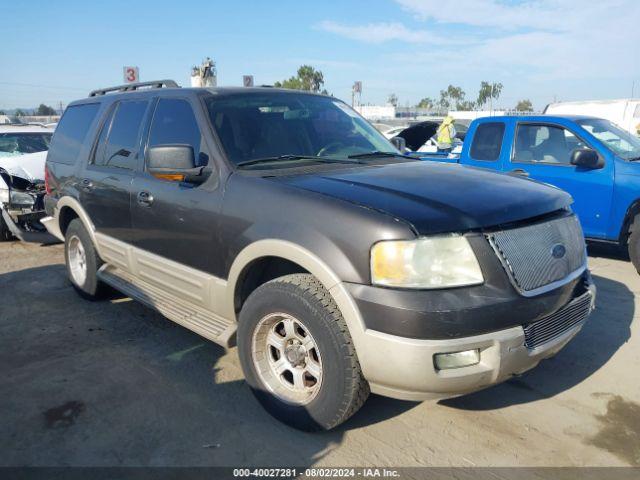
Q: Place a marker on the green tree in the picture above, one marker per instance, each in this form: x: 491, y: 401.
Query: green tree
x: 426, y: 103
x: 45, y: 110
x: 20, y: 113
x: 392, y: 99
x: 488, y: 92
x: 465, y: 105
x: 307, y: 78
x: 524, y: 106
x: 452, y: 97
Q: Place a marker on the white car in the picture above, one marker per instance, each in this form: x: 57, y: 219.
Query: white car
x: 23, y: 151
x: 394, y: 131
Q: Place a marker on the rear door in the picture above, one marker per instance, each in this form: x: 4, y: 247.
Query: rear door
x: 106, y: 182
x: 543, y: 151
x: 173, y: 219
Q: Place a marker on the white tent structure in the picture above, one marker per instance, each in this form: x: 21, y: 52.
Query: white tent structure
x: 624, y: 112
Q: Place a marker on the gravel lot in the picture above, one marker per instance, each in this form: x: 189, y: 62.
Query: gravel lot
x: 113, y: 383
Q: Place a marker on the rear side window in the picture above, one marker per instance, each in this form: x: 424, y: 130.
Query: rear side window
x: 174, y: 123
x: 487, y: 141
x: 71, y: 133
x: 120, y: 137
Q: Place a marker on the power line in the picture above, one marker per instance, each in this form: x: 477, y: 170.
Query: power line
x: 42, y: 86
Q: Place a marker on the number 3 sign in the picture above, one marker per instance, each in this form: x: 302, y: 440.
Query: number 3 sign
x: 131, y: 74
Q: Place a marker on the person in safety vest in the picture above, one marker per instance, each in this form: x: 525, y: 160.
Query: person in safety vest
x: 445, y: 134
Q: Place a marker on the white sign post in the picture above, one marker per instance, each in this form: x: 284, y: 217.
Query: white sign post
x: 131, y: 74
x: 247, y: 80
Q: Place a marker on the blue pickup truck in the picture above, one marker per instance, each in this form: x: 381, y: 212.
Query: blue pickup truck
x: 595, y: 161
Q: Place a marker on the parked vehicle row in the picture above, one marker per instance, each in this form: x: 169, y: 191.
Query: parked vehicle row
x: 284, y: 223
x: 594, y: 160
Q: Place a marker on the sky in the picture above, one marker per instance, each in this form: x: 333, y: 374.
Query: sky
x: 57, y: 51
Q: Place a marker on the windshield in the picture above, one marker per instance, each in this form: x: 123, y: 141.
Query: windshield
x: 282, y: 125
x: 12, y: 144
x: 619, y: 141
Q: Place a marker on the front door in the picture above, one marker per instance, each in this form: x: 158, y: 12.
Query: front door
x: 172, y: 219
x: 543, y: 151
x: 106, y: 183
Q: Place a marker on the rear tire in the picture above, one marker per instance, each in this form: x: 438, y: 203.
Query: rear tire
x: 82, y: 261
x: 311, y: 379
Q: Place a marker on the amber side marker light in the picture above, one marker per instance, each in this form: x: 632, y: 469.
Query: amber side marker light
x: 172, y: 177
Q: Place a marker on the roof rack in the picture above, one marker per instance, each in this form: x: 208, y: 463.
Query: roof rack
x: 135, y: 86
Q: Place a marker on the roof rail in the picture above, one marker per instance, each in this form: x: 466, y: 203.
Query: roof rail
x: 135, y: 86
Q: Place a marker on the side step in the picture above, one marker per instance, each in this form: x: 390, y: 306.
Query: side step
x: 195, y: 318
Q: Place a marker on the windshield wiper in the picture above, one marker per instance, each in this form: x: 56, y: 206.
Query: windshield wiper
x: 377, y: 153
x: 256, y: 161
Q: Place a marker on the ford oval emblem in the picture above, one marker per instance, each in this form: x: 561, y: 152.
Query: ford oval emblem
x: 558, y: 250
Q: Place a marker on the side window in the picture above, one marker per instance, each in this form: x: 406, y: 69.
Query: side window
x: 487, y: 141
x: 545, y: 144
x: 174, y: 123
x: 71, y: 132
x: 98, y: 152
x: 122, y: 136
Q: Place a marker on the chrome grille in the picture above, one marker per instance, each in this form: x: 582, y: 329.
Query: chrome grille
x: 551, y: 327
x: 542, y: 254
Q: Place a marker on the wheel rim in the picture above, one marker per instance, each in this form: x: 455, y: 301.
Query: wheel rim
x: 287, y: 358
x: 77, y: 261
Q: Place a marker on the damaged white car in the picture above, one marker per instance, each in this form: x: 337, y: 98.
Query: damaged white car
x: 23, y: 151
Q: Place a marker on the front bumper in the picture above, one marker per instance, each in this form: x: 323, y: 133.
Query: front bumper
x: 30, y: 219
x: 403, y: 368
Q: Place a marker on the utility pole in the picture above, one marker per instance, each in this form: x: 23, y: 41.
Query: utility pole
x: 60, y: 109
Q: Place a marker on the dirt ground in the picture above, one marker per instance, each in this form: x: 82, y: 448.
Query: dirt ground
x: 113, y: 383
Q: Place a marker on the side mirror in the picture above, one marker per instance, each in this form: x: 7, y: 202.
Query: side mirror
x: 174, y: 163
x: 586, y: 158
x: 400, y: 143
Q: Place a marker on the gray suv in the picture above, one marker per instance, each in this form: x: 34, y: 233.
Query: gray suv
x: 282, y: 222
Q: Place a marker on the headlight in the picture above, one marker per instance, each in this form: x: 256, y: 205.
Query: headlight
x: 21, y: 199
x: 429, y: 262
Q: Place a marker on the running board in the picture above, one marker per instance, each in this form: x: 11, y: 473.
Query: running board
x: 195, y: 318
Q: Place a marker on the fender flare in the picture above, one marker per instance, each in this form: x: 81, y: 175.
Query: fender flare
x: 73, y: 204
x: 310, y: 262
x: 627, y: 223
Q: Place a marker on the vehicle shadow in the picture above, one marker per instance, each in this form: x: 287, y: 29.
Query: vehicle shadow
x: 603, y: 334
x: 113, y: 383
x: 607, y: 250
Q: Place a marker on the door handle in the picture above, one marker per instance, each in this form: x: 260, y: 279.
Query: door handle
x: 86, y: 184
x: 145, y: 199
x: 519, y: 171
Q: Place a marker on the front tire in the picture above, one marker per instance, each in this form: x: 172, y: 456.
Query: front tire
x: 297, y: 354
x: 634, y: 243
x: 82, y: 261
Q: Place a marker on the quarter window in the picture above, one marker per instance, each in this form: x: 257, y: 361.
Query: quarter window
x: 122, y: 136
x: 71, y: 132
x: 174, y: 123
x: 487, y: 141
x: 545, y: 144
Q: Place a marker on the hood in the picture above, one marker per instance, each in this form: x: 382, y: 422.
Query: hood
x: 29, y: 166
x: 438, y: 197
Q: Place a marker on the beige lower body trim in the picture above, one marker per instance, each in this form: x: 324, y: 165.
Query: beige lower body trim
x: 185, y: 295
x: 53, y: 227
x: 403, y: 368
